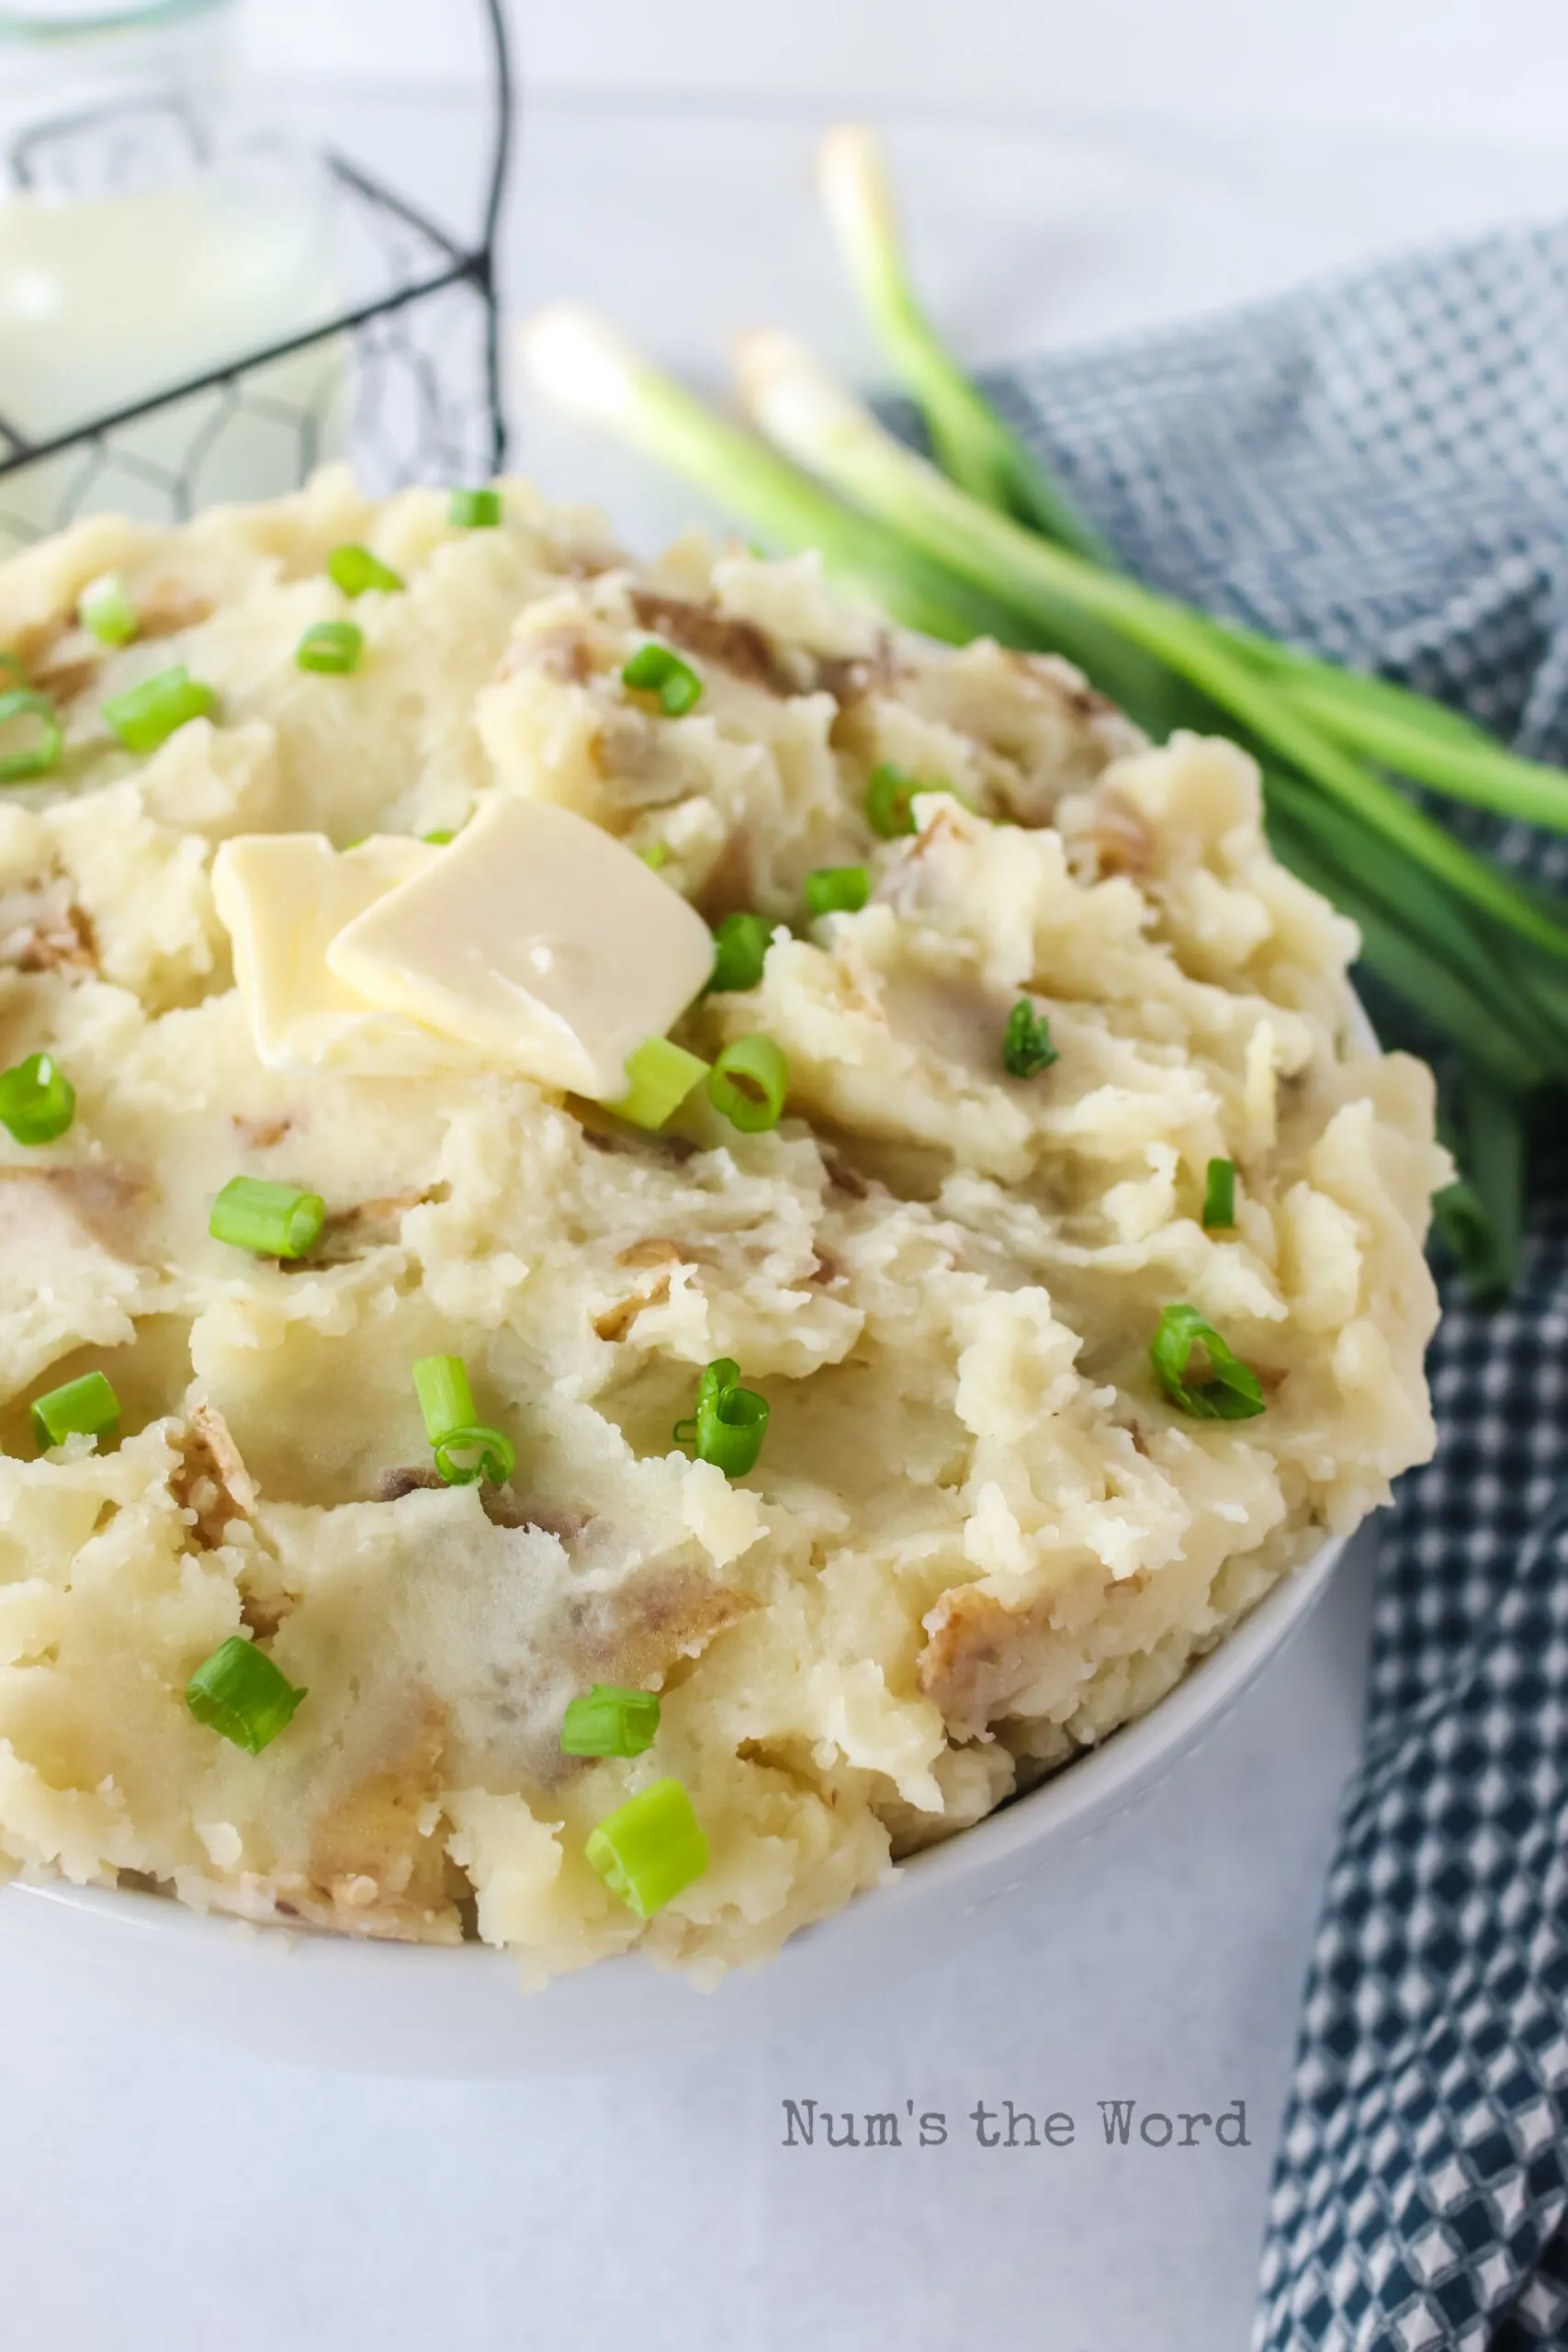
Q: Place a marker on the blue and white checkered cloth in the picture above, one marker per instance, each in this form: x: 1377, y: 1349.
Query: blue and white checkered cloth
x: 1378, y: 468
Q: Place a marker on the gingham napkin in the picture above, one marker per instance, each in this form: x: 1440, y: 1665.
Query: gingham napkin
x: 1378, y: 468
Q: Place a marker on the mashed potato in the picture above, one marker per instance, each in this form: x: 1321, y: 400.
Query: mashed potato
x: 980, y: 1534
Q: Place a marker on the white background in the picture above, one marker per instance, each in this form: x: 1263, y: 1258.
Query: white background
x: 164, y: 2197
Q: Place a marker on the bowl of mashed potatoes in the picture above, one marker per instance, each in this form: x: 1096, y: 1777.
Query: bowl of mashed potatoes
x: 659, y: 1247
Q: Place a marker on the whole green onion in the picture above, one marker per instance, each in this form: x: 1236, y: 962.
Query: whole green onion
x: 453, y: 1426
x: 355, y: 570
x: 238, y: 1692
x: 84, y: 1408
x: 1233, y: 1392
x: 749, y: 1083
x: 333, y: 648
x: 45, y: 750
x: 836, y: 890
x: 649, y: 1849
x: 1219, y: 1194
x: 890, y: 800
x: 147, y: 715
x: 610, y: 1720
x: 474, y: 510
x: 105, y: 611
x: 660, y: 1076
x: 1026, y: 1041
x: 38, y: 1101
x: 653, y: 668
x: 739, y: 951
x: 273, y: 1220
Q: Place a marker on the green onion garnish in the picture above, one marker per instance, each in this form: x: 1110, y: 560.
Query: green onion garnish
x: 610, y: 1721
x: 274, y: 1220
x: 649, y: 1849
x: 1026, y: 1041
x: 1219, y: 1196
x: 331, y: 648
x: 238, y: 1692
x: 148, y: 715
x: 660, y: 1077
x: 655, y: 670
x: 890, y: 800
x: 749, y: 1083
x: 439, y: 839
x: 1235, y: 1392
x: 739, y: 951
x: 474, y: 510
x: 655, y: 856
x: 38, y: 1101
x: 730, y: 1422
x: 354, y: 569
x: 84, y: 1407
x: 105, y: 611
x: 836, y: 890
x: 452, y: 1425
x: 44, y: 752
x: 13, y: 662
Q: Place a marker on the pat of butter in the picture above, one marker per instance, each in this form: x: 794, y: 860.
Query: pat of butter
x: 283, y: 898
x: 539, y: 940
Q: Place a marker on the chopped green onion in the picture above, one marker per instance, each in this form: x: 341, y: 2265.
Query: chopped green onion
x: 238, y: 1692
x: 148, y: 715
x: 749, y: 1083
x: 331, y: 648
x: 354, y: 569
x: 13, y: 662
x: 446, y: 1403
x: 836, y: 890
x: 38, y: 1101
x: 739, y: 952
x: 655, y: 670
x: 1219, y: 1195
x: 661, y: 1075
x: 274, y: 1220
x: 84, y: 1407
x: 730, y: 1422
x: 1235, y: 1392
x: 474, y: 510
x: 610, y: 1721
x: 649, y: 1849
x: 1026, y: 1041
x: 43, y: 752
x: 655, y: 856
x: 890, y: 800
x: 439, y: 839
x: 105, y: 611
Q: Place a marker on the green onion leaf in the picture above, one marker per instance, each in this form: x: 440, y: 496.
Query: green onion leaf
x: 332, y: 648
x: 38, y: 1101
x: 739, y: 952
x: 730, y: 1422
x: 439, y: 839
x: 655, y: 670
x: 1219, y: 1194
x: 238, y: 1692
x: 1026, y: 1041
x: 610, y: 1721
x: 498, y: 1455
x: 446, y: 1403
x: 836, y: 890
x: 43, y: 752
x: 105, y: 611
x: 474, y: 510
x: 890, y: 800
x: 749, y: 1083
x: 1233, y: 1392
x: 354, y: 569
x: 149, y: 714
x: 273, y: 1220
x: 649, y: 1849
x: 84, y: 1407
x: 661, y: 1075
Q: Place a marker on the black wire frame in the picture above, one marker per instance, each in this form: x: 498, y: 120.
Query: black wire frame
x: 472, y: 266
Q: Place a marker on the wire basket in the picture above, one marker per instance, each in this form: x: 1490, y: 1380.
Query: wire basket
x: 399, y: 372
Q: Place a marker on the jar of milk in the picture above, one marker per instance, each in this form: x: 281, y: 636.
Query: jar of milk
x: 152, y: 234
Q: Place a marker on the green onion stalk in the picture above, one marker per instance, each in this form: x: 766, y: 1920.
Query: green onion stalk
x: 984, y: 542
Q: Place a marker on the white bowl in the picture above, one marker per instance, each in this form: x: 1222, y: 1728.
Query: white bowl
x: 412, y: 2009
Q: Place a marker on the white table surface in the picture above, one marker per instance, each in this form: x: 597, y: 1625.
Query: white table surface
x: 164, y: 2194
